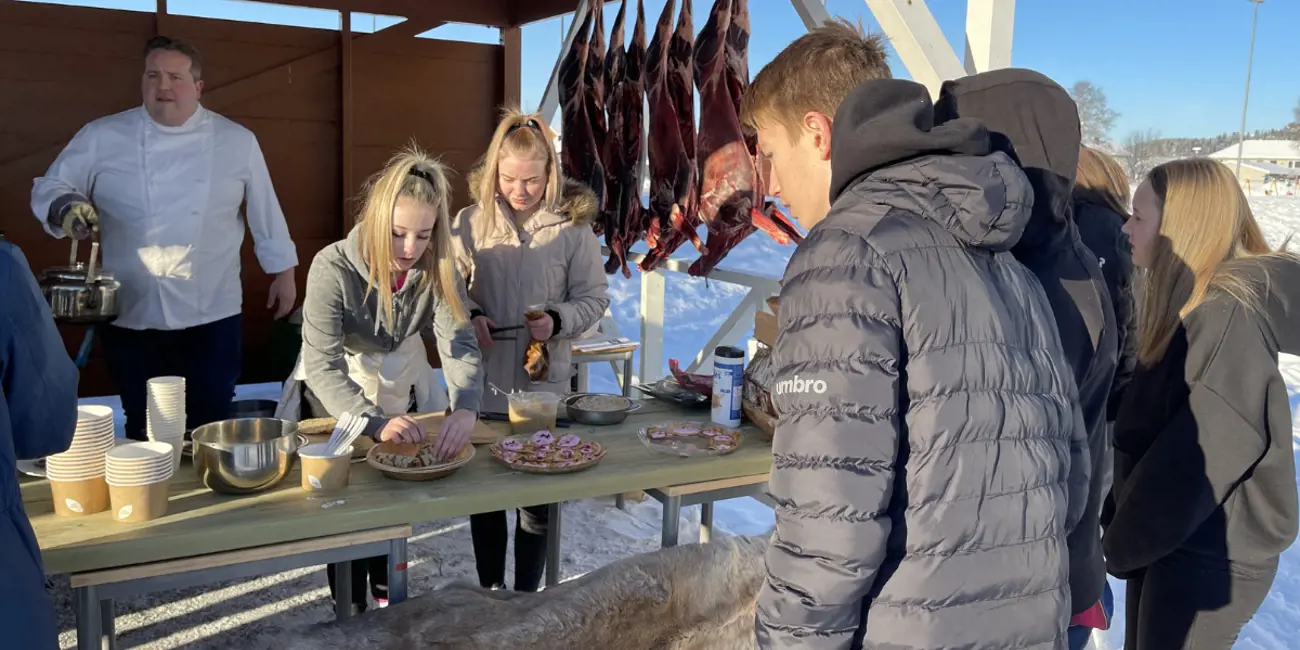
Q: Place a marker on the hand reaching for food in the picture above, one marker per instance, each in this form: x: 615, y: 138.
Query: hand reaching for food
x: 456, y: 429
x: 402, y: 428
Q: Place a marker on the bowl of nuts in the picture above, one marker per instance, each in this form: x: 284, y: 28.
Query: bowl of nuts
x: 599, y: 408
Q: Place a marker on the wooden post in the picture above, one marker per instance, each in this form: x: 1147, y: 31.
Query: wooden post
x: 990, y: 25
x: 345, y: 118
x: 512, y: 42
x: 160, y: 17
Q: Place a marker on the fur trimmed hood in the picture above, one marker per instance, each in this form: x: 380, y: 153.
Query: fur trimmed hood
x: 577, y: 201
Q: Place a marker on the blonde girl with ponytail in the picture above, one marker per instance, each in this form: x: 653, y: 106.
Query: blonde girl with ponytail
x: 370, y: 299
x: 536, y: 281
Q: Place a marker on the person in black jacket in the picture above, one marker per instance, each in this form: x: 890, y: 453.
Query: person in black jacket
x: 1101, y: 200
x: 1205, y: 485
x: 1034, y: 119
x: 930, y: 455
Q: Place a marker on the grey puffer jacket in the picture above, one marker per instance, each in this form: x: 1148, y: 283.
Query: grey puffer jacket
x: 928, y: 418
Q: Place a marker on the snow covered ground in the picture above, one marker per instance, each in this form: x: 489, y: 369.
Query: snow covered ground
x: 595, y: 533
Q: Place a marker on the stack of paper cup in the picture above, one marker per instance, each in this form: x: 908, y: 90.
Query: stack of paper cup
x: 138, y: 475
x: 77, y: 475
x: 165, y: 414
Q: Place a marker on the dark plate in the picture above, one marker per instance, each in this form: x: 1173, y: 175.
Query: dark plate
x: 668, y: 390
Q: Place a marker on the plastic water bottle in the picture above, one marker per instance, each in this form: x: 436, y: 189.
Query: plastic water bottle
x: 728, y: 385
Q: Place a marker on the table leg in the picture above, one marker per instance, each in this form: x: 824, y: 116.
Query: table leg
x: 620, y: 501
x: 89, y: 627
x: 553, y: 537
x: 627, y: 376
x: 397, y: 571
x: 706, y: 522
x: 672, y: 520
x: 342, y: 590
x: 107, y: 621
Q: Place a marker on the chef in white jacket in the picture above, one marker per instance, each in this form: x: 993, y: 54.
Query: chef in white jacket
x: 163, y: 183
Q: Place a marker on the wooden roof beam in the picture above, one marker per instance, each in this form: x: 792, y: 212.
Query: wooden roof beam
x: 990, y: 25
x: 491, y: 13
x: 919, y: 42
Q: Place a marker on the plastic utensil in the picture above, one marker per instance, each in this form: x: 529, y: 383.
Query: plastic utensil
x: 346, y: 431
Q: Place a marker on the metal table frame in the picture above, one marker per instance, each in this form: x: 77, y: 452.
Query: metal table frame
x: 93, y: 603
x: 673, y: 504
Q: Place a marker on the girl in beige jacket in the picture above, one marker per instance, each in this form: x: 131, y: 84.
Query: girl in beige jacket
x: 526, y: 243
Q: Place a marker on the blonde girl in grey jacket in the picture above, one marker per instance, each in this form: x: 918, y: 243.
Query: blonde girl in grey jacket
x: 369, y: 300
x: 527, y: 241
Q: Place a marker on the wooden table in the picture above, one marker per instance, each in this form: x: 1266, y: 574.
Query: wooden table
x: 200, y: 522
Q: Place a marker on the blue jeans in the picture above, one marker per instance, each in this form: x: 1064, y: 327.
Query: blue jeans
x: 208, y: 356
x: 1078, y: 634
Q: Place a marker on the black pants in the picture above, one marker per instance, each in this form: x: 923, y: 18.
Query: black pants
x: 374, y: 568
x: 1181, y: 603
x: 489, y: 534
x: 207, y: 356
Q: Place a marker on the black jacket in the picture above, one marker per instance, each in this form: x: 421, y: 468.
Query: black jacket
x: 1100, y: 228
x: 1204, y: 463
x: 928, y: 423
x: 1033, y: 118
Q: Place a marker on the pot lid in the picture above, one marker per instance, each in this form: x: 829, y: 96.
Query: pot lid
x: 75, y: 273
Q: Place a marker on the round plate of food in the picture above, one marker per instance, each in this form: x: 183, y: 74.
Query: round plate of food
x: 543, y: 453
x: 691, y: 438
x: 407, y: 461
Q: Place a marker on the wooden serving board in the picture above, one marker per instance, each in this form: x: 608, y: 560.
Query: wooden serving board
x: 483, y: 433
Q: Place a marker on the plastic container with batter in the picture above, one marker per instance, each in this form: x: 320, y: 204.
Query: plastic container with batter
x: 531, y: 412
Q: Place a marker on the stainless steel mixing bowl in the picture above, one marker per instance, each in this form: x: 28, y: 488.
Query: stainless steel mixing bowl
x: 244, y: 455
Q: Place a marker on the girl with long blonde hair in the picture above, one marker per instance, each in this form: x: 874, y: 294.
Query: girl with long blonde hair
x: 536, y: 281
x: 1204, y: 496
x: 369, y: 299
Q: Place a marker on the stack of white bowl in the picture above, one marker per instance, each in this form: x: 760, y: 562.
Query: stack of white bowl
x: 138, y: 474
x: 165, y: 414
x: 77, y: 475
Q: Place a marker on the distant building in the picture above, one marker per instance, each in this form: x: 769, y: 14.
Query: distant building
x: 1263, y: 160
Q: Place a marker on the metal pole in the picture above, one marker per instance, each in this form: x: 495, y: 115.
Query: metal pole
x: 1245, y: 104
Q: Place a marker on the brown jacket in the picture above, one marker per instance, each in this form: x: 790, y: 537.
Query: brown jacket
x: 553, y: 260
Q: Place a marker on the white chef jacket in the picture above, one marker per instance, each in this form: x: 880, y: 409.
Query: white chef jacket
x: 169, y: 200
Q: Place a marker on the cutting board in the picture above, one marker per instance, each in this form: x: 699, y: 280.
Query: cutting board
x: 483, y: 434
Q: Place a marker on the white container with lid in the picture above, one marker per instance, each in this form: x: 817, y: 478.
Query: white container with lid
x: 728, y: 385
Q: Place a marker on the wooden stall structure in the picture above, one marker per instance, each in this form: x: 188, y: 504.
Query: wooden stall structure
x: 328, y: 107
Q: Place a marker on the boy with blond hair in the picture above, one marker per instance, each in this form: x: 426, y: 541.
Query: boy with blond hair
x: 927, y: 475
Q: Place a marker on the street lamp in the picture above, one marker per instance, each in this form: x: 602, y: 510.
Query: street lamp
x: 1250, y: 63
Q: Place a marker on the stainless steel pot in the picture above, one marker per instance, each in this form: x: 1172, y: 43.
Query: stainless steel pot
x: 81, y: 293
x: 245, y: 455
x: 598, y: 418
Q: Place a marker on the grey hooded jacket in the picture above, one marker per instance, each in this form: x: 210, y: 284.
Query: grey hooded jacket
x: 928, y: 419
x: 338, y: 317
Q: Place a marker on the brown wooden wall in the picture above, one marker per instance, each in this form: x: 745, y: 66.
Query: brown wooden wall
x: 61, y: 67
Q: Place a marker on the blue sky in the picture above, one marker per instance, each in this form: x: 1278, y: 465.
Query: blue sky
x: 1174, y: 65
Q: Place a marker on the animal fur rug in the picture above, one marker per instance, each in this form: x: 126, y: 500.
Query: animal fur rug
x: 690, y: 597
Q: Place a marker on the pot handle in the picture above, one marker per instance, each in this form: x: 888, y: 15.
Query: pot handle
x: 90, y: 267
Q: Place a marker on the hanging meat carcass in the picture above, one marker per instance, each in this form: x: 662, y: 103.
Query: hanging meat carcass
x: 580, y: 156
x: 595, y: 75
x: 732, y: 192
x: 674, y: 192
x: 623, y: 143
